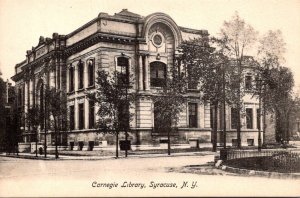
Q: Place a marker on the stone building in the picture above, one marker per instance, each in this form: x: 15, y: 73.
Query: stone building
x: 144, y: 47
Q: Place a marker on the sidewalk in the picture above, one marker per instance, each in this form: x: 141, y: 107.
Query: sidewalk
x: 122, y: 156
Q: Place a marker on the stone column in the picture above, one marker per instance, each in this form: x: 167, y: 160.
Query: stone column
x: 67, y: 79
x: 146, y: 73
x: 25, y: 100
x: 52, y: 78
x: 31, y: 92
x: 200, y: 115
x: 140, y: 73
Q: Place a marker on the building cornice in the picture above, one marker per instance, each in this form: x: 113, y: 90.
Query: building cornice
x: 101, y: 37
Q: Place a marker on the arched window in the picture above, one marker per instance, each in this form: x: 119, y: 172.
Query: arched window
x: 158, y: 74
x: 91, y: 72
x: 123, y: 70
x: 71, y: 79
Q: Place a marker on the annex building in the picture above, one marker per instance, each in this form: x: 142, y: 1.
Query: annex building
x: 144, y: 47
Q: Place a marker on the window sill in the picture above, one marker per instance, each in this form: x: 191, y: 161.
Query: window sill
x: 80, y: 90
x: 91, y: 87
x: 71, y: 93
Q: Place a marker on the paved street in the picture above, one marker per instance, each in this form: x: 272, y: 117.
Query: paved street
x: 23, y: 177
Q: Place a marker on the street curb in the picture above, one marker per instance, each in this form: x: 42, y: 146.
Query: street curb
x: 104, y: 157
x: 29, y: 157
x: 260, y: 173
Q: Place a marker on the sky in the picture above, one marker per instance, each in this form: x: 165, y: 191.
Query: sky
x: 22, y: 22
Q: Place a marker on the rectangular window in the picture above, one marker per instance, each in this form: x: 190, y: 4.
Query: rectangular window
x: 250, y: 142
x: 234, y: 118
x: 71, y: 79
x: 248, y: 82
x: 193, y: 115
x: 258, y: 118
x: 91, y: 69
x: 81, y: 116
x: 158, y: 74
x: 249, y: 118
x: 80, y: 75
x: 72, y: 120
x: 91, y: 114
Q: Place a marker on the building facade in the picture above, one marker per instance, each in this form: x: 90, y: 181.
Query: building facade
x: 144, y: 48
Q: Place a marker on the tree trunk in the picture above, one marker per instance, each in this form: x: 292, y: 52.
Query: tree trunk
x: 117, y: 144
x: 215, y: 128
x: 288, y: 128
x: 36, y: 143
x: 55, y: 131
x: 264, y: 122
x: 126, y: 140
x: 239, y: 110
x: 169, y: 143
x: 45, y: 129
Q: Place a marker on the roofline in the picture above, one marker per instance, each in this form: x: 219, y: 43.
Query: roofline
x: 104, y: 15
x: 194, y: 31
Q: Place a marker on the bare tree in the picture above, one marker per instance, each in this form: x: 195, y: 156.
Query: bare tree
x: 238, y: 36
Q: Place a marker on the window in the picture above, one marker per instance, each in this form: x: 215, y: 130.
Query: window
x: 123, y: 69
x: 157, y: 74
x: 192, y: 115
x: 81, y: 116
x: 80, y: 75
x: 91, y: 114
x: 234, y: 142
x: 249, y: 118
x: 71, y: 79
x: 250, y: 142
x: 91, y: 71
x: 248, y: 82
x: 234, y: 118
x: 192, y: 82
x: 258, y: 118
x: 72, y: 123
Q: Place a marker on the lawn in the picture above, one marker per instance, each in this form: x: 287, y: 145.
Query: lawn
x: 283, y: 163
